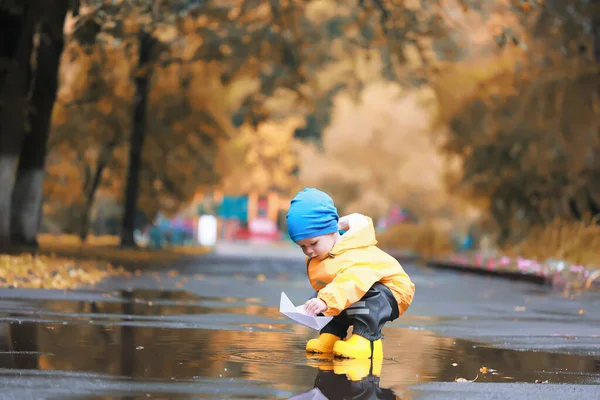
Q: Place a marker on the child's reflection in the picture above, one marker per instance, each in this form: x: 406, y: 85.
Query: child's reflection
x: 347, y: 379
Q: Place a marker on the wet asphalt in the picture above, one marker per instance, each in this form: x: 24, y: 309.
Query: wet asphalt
x: 210, y: 328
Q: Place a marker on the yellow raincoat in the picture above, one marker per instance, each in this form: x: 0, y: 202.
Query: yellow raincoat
x: 354, y: 265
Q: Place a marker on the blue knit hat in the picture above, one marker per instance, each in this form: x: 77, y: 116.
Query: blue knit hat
x: 312, y: 213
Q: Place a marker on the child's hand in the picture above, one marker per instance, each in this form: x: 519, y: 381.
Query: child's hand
x: 314, y: 307
x: 343, y: 224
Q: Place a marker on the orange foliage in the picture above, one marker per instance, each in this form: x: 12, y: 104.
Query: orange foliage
x: 426, y: 240
x: 523, y: 127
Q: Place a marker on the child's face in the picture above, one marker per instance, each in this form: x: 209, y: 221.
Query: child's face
x: 318, y: 247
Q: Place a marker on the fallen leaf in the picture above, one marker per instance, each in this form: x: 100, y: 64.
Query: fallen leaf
x: 261, y: 277
x: 463, y: 380
x: 520, y: 308
x: 172, y: 274
x: 39, y: 271
x: 179, y: 284
x: 582, y: 312
x: 483, y: 370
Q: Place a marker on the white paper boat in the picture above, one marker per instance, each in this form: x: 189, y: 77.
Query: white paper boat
x: 313, y: 394
x: 287, y: 308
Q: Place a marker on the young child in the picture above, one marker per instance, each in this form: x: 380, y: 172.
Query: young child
x: 356, y: 282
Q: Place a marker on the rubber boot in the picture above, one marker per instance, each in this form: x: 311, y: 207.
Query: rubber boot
x: 358, y: 347
x: 323, y: 344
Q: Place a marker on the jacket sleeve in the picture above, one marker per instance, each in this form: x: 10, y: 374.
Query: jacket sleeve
x: 348, y: 287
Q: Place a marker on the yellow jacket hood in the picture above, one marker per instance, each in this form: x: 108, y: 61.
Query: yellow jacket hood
x: 360, y: 236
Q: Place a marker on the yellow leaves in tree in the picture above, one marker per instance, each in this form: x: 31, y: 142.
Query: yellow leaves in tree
x: 59, y: 114
x: 188, y: 25
x: 261, y: 159
x: 105, y: 105
x: 131, y: 24
x: 234, y: 13
x: 225, y: 49
x: 202, y: 21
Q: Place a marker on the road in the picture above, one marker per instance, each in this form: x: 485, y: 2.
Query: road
x: 211, y: 328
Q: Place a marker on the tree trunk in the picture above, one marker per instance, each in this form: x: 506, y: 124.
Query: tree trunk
x: 103, y: 160
x: 17, y: 32
x: 27, y: 193
x: 137, y: 138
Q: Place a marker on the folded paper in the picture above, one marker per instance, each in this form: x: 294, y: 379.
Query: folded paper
x: 313, y: 394
x: 287, y: 308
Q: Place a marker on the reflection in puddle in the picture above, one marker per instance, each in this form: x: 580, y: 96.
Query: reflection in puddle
x: 176, y: 309
x: 139, y: 303
x: 348, y: 379
x: 274, y: 360
x: 112, y: 345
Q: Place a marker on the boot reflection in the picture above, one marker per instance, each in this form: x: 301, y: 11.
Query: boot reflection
x: 323, y: 361
x: 347, y: 379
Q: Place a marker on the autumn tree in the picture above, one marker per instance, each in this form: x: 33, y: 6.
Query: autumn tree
x: 184, y: 126
x: 94, y: 98
x: 526, y: 130
x: 32, y: 42
x: 260, y: 159
x: 280, y: 46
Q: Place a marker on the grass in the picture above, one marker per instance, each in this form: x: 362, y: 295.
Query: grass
x: 576, y: 242
x: 423, y: 239
x: 107, y: 248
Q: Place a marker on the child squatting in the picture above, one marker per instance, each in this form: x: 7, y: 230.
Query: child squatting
x: 356, y: 283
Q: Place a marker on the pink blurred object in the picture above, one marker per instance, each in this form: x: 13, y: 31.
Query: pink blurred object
x: 505, y: 260
x: 262, y: 230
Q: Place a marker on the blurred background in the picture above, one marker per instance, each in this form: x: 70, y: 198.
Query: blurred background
x: 456, y: 125
x: 136, y: 133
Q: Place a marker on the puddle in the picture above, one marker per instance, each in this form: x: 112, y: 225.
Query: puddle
x: 136, y: 305
x: 126, y: 361
x: 139, y: 344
